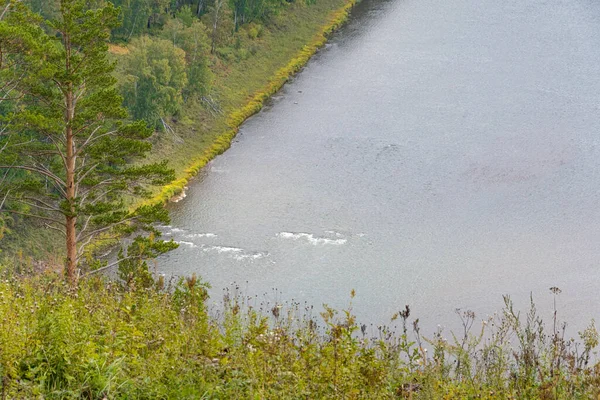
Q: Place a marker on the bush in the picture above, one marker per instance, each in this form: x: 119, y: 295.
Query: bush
x: 243, y: 54
x: 254, y: 31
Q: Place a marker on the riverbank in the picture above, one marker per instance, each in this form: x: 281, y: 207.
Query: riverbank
x: 242, y: 97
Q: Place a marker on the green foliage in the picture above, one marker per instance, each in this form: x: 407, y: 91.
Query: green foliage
x: 255, y: 31
x: 104, y: 340
x: 186, y: 15
x: 193, y: 39
x: 247, y: 11
x: 156, y: 78
x: 139, y: 16
x: 98, y: 341
x: 133, y: 265
x: 22, y: 40
x: 46, y: 8
x: 66, y: 150
x: 161, y: 72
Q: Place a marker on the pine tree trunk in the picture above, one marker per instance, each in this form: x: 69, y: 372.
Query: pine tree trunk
x: 71, y: 216
x: 71, y: 270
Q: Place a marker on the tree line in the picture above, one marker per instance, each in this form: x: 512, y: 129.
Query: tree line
x: 170, y: 43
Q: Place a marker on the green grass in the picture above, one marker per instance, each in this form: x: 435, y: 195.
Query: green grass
x: 31, y: 247
x: 101, y: 341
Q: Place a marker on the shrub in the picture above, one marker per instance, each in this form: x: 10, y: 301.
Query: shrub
x: 254, y: 31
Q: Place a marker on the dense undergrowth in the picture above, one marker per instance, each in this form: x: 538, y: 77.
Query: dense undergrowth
x: 102, y: 341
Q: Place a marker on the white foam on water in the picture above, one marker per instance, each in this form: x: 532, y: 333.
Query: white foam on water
x: 222, y: 249
x: 201, y: 235
x: 190, y: 244
x: 235, y: 252
x: 312, y: 239
x: 251, y: 256
x: 176, y: 230
x: 165, y: 229
x: 336, y: 234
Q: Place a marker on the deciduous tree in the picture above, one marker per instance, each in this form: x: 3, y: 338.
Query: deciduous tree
x: 193, y: 39
x: 156, y: 78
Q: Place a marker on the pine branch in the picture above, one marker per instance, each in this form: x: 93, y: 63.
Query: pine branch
x: 92, y: 188
x: 84, y: 228
x: 34, y: 216
x: 92, y: 139
x: 41, y: 207
x: 107, y: 227
x: 86, y: 173
x: 4, y: 199
x: 107, y: 266
x: 37, y: 170
x: 62, y: 231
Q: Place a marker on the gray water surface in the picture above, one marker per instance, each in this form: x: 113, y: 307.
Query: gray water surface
x: 438, y: 153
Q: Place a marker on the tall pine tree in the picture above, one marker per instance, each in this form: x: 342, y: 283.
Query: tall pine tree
x: 66, y: 144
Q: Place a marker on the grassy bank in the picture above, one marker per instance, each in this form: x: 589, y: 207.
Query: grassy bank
x: 103, y: 342
x: 242, y: 88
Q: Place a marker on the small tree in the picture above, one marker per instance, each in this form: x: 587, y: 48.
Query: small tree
x: 68, y: 143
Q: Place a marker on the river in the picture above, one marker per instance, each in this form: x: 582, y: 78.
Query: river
x: 436, y: 153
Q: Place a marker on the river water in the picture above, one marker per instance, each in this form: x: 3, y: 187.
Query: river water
x: 436, y: 153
